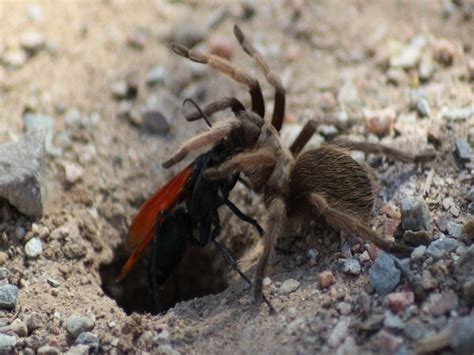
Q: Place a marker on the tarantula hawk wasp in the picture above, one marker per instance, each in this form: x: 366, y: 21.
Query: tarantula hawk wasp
x: 170, y: 227
x: 323, y: 184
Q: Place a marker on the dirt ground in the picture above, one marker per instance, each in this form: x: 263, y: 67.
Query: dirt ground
x: 333, y: 57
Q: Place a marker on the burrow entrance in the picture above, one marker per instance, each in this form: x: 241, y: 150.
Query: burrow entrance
x: 201, y: 272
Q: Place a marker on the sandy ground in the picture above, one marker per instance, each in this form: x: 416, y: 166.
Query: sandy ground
x: 332, y: 57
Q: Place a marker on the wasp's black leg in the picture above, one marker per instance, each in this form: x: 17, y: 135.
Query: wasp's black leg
x: 244, y: 217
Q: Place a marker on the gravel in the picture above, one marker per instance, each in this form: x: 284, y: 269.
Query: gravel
x: 415, y: 215
x: 384, y: 276
x: 441, y: 247
x: 76, y: 325
x: 21, y: 173
x: 8, y: 297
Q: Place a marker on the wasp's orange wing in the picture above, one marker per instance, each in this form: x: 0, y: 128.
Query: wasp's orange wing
x: 142, y: 229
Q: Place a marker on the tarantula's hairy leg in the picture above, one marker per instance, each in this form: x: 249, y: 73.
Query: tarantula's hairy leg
x: 219, y: 131
x: 253, y: 161
x: 273, y: 230
x: 219, y: 105
x: 272, y: 78
x: 377, y: 148
x: 352, y: 224
x: 224, y: 66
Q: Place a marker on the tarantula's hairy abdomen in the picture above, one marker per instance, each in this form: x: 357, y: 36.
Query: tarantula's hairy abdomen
x: 331, y: 172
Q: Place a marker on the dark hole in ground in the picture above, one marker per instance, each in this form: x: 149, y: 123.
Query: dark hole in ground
x: 201, y: 272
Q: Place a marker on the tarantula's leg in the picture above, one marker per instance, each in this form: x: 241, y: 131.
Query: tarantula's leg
x: 274, y: 229
x: 308, y: 130
x: 224, y: 66
x: 253, y: 161
x: 352, y: 224
x: 272, y: 78
x: 219, y: 105
x: 219, y: 131
x: 377, y: 148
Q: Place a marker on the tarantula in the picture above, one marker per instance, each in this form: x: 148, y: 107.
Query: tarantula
x: 298, y: 186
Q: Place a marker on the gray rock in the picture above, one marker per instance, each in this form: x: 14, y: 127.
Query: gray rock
x: 339, y: 332
x: 89, y: 339
x: 462, y: 150
x: 409, y: 56
x: 48, y: 350
x: 4, y: 273
x: 383, y: 275
x: 454, y: 229
x: 457, y: 114
x: 419, y: 103
x: 464, y: 269
x: 188, y: 33
x: 156, y: 122
x: 418, y: 253
x: 470, y: 195
x: 17, y: 326
x: 441, y: 247
x: 393, y: 322
x: 352, y: 266
x: 33, y: 122
x: 156, y: 75
x: 76, y: 325
x: 470, y: 208
x: 7, y: 344
x: 462, y: 335
x: 33, y: 321
x: 78, y: 350
x: 21, y: 173
x: 33, y: 248
x: 8, y: 297
x: 415, y: 215
x: 289, y: 286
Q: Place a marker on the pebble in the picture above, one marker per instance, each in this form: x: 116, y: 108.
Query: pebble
x: 462, y: 335
x: 462, y: 150
x: 8, y: 297
x: 417, y: 238
x: 344, y: 308
x: 156, y: 75
x: 17, y: 326
x: 78, y: 350
x: 89, y: 339
x: 470, y: 195
x: 22, y: 183
x: 73, y: 172
x: 418, y: 253
x: 156, y: 122
x: 188, y: 33
x: 379, y: 122
x: 4, y: 273
x: 399, y: 301
x: 457, y: 114
x: 420, y: 103
x: 383, y: 275
x: 33, y: 321
x: 436, y: 134
x: 409, y: 56
x: 7, y: 344
x: 387, y: 343
x: 444, y: 52
x: 53, y: 282
x: 32, y: 41
x: 76, y: 325
x: 455, y: 229
x: 464, y: 268
x: 426, y: 68
x: 339, y: 332
x: 48, y: 350
x: 429, y: 282
x: 124, y: 90
x: 393, y: 322
x: 415, y: 215
x: 348, y: 347
x: 397, y: 76
x: 34, y: 122
x: 441, y: 247
x: 326, y: 279
x: 14, y: 59
x: 352, y: 266
x: 289, y: 286
x: 470, y: 208
x: 33, y: 248
x: 442, y: 303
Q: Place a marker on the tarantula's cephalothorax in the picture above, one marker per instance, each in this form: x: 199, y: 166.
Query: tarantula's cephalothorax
x: 297, y: 187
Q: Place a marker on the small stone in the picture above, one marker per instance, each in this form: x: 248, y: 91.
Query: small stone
x: 470, y: 208
x: 457, y: 114
x: 32, y: 41
x: 420, y: 103
x: 344, y: 308
x: 7, y: 344
x: 387, y: 343
x: 429, y: 282
x: 454, y: 229
x: 73, y: 172
x: 34, y: 122
x: 188, y: 33
x: 267, y: 282
x: 4, y: 273
x: 415, y: 215
x: 470, y: 195
x: 462, y: 335
x: 441, y: 247
x: 468, y: 229
x: 326, y: 279
x: 78, y: 350
x: 33, y: 321
x: 399, y: 301
x: 89, y: 339
x: 441, y: 303
x: 339, y: 332
x: 21, y: 173
x: 76, y: 325
x: 14, y: 59
x: 464, y: 269
x: 52, y: 282
x: 156, y: 75
x: 348, y: 347
x: 352, y: 266
x: 383, y: 275
x: 33, y: 248
x: 364, y: 257
x: 417, y: 238
x: 409, y: 56
x: 8, y: 297
x: 426, y: 68
x: 418, y: 253
x: 463, y: 151
x: 156, y: 121
x: 379, y: 122
x: 17, y: 326
x: 435, y: 135
x: 393, y: 322
x: 162, y: 338
x: 123, y: 90
x: 397, y: 76
x: 289, y: 286
x: 48, y: 350
x: 444, y: 52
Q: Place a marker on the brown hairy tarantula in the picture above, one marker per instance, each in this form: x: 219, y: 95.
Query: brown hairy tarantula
x: 297, y: 187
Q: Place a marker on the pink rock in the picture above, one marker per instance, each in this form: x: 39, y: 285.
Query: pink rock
x: 326, y: 279
x: 398, y: 301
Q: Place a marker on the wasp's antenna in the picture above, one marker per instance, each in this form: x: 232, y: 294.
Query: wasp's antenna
x: 199, y: 109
